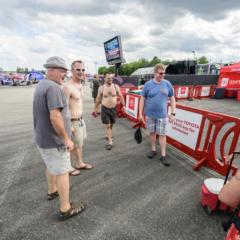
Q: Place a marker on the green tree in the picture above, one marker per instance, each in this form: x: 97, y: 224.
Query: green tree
x: 102, y: 70
x: 154, y: 61
x: 202, y: 60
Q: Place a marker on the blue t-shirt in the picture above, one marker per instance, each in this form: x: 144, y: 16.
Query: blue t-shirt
x: 156, y: 97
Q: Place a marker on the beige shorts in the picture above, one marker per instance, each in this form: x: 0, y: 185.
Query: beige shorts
x: 79, y: 132
x: 57, y: 160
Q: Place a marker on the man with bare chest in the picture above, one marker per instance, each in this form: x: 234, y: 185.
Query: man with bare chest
x: 107, y: 95
x: 74, y: 94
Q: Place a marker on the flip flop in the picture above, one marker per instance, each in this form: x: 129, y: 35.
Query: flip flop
x: 85, y: 167
x: 75, y: 174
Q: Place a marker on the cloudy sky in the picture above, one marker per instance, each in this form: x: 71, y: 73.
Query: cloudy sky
x: 31, y: 31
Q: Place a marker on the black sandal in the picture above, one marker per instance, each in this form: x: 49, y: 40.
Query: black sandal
x: 51, y: 196
x: 74, y: 210
x: 109, y: 146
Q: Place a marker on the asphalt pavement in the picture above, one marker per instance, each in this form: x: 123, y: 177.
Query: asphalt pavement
x: 129, y: 196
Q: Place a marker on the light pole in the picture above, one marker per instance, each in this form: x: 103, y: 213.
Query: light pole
x: 194, y: 55
x: 96, y: 63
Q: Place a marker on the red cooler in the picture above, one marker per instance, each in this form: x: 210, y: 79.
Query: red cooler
x: 210, y: 190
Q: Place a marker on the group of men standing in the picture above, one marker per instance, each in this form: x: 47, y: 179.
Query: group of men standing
x: 60, y: 129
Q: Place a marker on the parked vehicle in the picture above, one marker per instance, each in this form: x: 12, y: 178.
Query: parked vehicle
x: 6, y: 81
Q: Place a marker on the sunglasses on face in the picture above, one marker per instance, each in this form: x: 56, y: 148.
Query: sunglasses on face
x: 162, y: 73
x: 79, y: 70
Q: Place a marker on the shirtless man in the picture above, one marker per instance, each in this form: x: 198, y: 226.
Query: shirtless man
x: 107, y: 95
x: 74, y: 95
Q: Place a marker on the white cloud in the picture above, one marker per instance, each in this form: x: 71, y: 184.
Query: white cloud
x: 33, y: 31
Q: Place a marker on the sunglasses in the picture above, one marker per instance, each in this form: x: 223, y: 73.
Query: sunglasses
x: 161, y: 73
x: 79, y: 70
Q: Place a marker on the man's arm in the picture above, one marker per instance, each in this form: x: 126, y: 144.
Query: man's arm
x: 121, y: 97
x: 98, y: 99
x: 58, y: 125
x: 173, y: 104
x: 141, y: 106
x: 67, y: 92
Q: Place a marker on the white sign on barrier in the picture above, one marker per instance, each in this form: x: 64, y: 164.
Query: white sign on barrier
x: 205, y: 91
x: 224, y: 82
x: 183, y: 92
x: 132, y: 105
x: 185, y: 127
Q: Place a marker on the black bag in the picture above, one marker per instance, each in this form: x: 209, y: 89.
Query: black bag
x: 138, y: 135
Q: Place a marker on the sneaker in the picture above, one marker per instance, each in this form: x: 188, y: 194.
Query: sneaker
x: 151, y: 154
x: 165, y: 161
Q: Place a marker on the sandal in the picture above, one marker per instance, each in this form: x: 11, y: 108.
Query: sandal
x: 109, y: 146
x: 74, y: 172
x: 74, y: 210
x: 51, y: 196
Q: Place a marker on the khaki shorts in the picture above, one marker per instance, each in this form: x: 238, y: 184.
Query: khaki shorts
x: 57, y: 160
x: 79, y: 132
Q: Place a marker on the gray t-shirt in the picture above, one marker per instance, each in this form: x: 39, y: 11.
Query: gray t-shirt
x: 49, y: 95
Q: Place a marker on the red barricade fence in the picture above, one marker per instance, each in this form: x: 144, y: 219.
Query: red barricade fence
x: 201, y: 134
x: 212, y: 124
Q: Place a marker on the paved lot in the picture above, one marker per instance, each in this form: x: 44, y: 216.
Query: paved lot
x: 129, y: 197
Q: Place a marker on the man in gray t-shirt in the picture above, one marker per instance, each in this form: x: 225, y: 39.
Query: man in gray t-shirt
x: 52, y: 130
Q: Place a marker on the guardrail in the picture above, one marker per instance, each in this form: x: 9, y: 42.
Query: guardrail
x: 191, y: 92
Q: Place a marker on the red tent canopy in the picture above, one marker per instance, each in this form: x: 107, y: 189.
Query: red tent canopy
x: 230, y: 76
x: 231, y: 68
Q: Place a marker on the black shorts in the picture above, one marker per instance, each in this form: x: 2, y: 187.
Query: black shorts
x: 108, y: 115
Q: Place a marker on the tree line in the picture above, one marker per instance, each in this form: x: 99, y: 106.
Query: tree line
x: 128, y: 68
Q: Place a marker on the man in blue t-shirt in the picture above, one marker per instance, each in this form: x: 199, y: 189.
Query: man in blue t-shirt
x: 154, y: 102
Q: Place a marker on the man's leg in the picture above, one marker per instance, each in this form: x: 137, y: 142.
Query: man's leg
x: 163, y: 158
x: 153, y: 141
x: 109, y: 133
x: 52, y: 182
x: 162, y: 142
x: 153, y: 151
x: 63, y: 190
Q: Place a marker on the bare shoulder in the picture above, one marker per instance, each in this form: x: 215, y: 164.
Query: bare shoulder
x: 68, y: 86
x: 117, y: 87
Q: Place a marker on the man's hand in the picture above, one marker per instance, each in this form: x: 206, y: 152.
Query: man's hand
x: 171, y: 118
x: 141, y: 119
x: 69, y: 144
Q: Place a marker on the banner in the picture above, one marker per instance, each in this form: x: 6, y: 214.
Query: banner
x: 132, y: 102
x: 185, y: 127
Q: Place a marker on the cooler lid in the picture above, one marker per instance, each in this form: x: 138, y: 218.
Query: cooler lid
x: 214, y: 185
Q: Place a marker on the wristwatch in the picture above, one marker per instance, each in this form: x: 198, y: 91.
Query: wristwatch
x: 173, y: 114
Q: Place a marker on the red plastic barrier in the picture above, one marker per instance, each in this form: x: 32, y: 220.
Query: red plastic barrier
x: 238, y: 95
x: 212, y: 90
x: 190, y: 125
x: 124, y: 91
x: 206, y: 155
x: 197, y: 92
x: 191, y: 92
x: 230, y: 93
